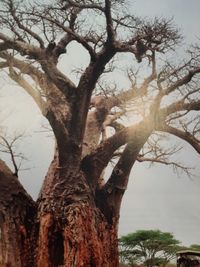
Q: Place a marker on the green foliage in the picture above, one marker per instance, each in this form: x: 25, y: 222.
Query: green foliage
x: 195, y: 247
x: 149, y: 247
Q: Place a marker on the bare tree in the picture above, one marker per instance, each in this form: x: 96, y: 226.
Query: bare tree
x: 8, y: 146
x: 75, y: 219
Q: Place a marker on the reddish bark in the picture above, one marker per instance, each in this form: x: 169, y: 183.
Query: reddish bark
x: 73, y: 230
x: 74, y: 234
x: 17, y: 211
x: 76, y: 222
x: 83, y: 239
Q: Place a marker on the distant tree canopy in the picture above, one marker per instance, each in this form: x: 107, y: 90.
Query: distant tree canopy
x: 148, y: 247
x: 195, y: 247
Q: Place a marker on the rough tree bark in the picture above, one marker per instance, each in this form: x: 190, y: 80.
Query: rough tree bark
x: 17, y: 214
x: 73, y: 230
x: 75, y: 222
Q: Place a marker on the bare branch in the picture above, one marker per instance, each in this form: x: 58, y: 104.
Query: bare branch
x: 71, y: 3
x: 12, y: 10
x: 180, y: 82
x: 180, y: 106
x: 9, y: 147
x: 119, y: 177
x: 66, y: 86
x: 177, y: 167
x: 35, y: 94
x: 188, y: 137
x: 23, y: 48
x: 99, y: 158
x: 60, y: 48
x: 109, y: 22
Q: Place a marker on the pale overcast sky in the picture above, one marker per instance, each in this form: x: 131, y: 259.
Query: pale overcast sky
x: 156, y: 197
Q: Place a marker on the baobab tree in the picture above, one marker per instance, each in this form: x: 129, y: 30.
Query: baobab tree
x: 74, y: 222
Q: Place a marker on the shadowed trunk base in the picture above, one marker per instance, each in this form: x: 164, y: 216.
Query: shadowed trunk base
x: 17, y: 211
x: 82, y: 239
x: 67, y: 230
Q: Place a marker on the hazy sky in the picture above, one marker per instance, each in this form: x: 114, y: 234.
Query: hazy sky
x: 156, y: 197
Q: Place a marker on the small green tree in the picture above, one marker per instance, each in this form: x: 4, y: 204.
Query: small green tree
x: 195, y: 247
x: 149, y: 247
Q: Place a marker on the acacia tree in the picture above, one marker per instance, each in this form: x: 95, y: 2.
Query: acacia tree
x: 195, y: 247
x: 148, y: 247
x: 75, y: 219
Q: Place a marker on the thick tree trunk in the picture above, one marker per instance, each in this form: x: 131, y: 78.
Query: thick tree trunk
x: 69, y: 230
x: 82, y: 238
x: 73, y: 231
x: 75, y: 222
